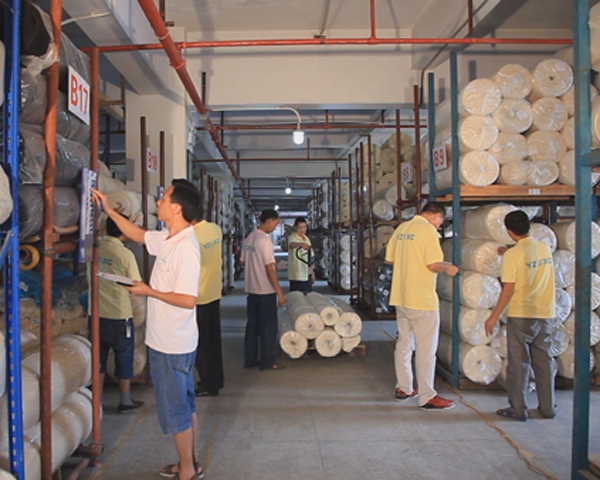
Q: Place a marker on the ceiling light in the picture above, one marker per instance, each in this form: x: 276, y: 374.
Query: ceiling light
x: 298, y: 136
x: 288, y: 190
x: 276, y: 207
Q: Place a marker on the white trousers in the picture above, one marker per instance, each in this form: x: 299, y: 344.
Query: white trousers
x: 418, y: 330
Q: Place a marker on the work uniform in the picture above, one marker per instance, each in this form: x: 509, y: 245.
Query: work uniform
x: 414, y: 245
x: 298, y: 271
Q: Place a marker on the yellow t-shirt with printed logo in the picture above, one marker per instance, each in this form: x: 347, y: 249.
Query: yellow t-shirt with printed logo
x: 414, y: 245
x: 210, y: 238
x: 297, y: 269
x: 530, y: 267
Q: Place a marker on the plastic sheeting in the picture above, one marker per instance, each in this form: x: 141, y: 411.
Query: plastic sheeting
x: 514, y: 173
x: 594, y: 328
x: 549, y: 114
x: 328, y: 343
x: 349, y: 324
x: 487, y: 223
x: 290, y: 341
x: 551, y: 78
x: 542, y: 173
x: 471, y: 323
x: 481, y: 96
x: 564, y: 305
x: 476, y: 255
x: 498, y: 343
x: 477, y: 291
x: 560, y: 340
x: 477, y: 132
x: 566, y: 169
x: 510, y: 147
x: 564, y: 268
x: 350, y: 343
x: 478, y: 168
x: 514, y: 116
x: 568, y: 98
x: 595, y: 293
x: 31, y: 208
x: 328, y: 311
x: 514, y: 81
x: 544, y: 145
x: 566, y: 362
x: 307, y: 320
x: 565, y: 233
x: 383, y: 210
x: 568, y: 133
x: 545, y: 234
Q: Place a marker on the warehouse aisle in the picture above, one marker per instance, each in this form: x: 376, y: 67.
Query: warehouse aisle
x: 334, y: 419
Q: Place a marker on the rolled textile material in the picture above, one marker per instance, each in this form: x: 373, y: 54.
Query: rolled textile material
x: 564, y: 268
x: 388, y: 161
x: 290, y: 341
x: 477, y: 132
x: 498, y: 343
x: 564, y: 305
x: 346, y: 283
x: 480, y: 364
x: 502, y: 377
x: 405, y: 143
x: 31, y: 208
x: 477, y: 291
x: 514, y: 81
x: 128, y: 203
x: 2, y: 365
x: 328, y: 343
x: 328, y: 311
x: 595, y: 293
x: 481, y: 96
x: 345, y: 242
x: 6, y: 203
x: 471, y: 323
x: 566, y: 170
x: 478, y: 168
x: 387, y: 181
x: 4, y: 475
x: 345, y: 269
x: 566, y: 362
x: 568, y: 133
x: 307, y: 320
x: 514, y: 173
x: 350, y: 343
x: 138, y: 304
x: 476, y: 255
x: 108, y: 184
x: 594, y: 328
x: 544, y: 233
x: 549, y: 114
x: 565, y: 234
x: 510, y: 147
x: 545, y: 145
x: 596, y: 122
x: 514, y: 115
x: 568, y: 99
x: 383, y: 210
x: 488, y: 223
x: 551, y: 78
x: 349, y: 324
x: 560, y: 340
x: 542, y: 173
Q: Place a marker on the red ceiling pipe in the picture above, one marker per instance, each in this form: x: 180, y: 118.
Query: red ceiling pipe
x: 372, y: 15
x: 289, y: 159
x: 178, y: 63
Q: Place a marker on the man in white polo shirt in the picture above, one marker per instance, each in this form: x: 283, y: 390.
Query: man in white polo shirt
x: 262, y: 287
x: 171, y: 331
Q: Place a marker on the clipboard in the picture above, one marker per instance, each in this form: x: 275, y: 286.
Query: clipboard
x: 119, y: 279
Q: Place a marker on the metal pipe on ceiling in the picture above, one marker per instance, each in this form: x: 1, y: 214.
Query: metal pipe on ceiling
x: 315, y: 126
x: 303, y: 159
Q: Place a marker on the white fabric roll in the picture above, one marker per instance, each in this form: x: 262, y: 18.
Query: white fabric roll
x: 595, y: 293
x: 566, y: 169
x: 4, y: 475
x: 544, y: 145
x: 387, y: 181
x: 544, y: 233
x: 328, y: 311
x: 383, y: 210
x: 350, y: 343
x: 388, y: 161
x: 6, y: 203
x: 514, y: 115
x: 480, y: 364
x: 477, y: 291
x: 478, y: 168
x: 510, y: 147
x: 476, y: 255
x: 568, y: 133
x: 551, y: 78
x: 480, y: 97
x: 566, y: 362
x: 345, y: 269
x: 346, y: 283
x: 290, y: 341
x: 568, y: 98
x: 345, y: 242
x: 498, y: 343
x: 307, y: 320
x: 405, y: 142
x: 328, y: 343
x: 349, y: 324
x: 502, y: 377
x: 565, y: 233
x: 549, y: 114
x: 514, y: 173
x: 542, y: 173
x: 107, y: 184
x: 471, y: 323
x: 564, y: 268
x: 487, y: 223
x: 514, y: 81
x: 127, y: 203
x: 2, y: 364
x: 477, y: 132
x: 560, y: 340
x: 594, y: 328
x: 564, y: 305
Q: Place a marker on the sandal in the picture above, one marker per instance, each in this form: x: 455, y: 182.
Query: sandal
x: 197, y: 476
x: 168, y: 472
x: 276, y: 366
x: 508, y: 413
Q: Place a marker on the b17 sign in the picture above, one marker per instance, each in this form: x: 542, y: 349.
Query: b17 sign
x: 151, y: 161
x: 79, y: 96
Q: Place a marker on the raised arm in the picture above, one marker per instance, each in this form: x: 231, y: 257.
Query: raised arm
x: 128, y: 228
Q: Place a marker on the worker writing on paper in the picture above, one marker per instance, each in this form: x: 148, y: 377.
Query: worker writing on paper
x: 300, y: 274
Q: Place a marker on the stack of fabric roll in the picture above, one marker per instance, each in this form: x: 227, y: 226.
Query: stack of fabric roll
x: 348, y: 274
x: 328, y: 324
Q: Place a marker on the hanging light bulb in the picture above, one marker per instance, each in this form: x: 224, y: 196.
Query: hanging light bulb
x: 288, y: 190
x: 298, y: 136
x: 276, y: 207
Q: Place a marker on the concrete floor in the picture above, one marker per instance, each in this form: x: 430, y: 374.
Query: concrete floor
x: 334, y: 419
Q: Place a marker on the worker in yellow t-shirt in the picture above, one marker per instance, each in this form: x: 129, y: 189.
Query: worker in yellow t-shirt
x: 414, y: 251
x: 527, y: 276
x: 300, y: 273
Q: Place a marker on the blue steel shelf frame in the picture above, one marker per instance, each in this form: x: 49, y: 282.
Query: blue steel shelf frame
x: 9, y: 235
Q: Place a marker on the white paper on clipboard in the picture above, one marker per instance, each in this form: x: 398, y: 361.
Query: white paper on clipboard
x: 121, y: 280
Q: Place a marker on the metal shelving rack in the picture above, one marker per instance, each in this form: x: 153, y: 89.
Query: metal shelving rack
x: 9, y: 233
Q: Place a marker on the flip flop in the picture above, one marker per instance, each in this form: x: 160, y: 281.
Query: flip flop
x: 168, y: 472
x: 508, y: 413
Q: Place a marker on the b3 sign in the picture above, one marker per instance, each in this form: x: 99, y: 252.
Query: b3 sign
x: 79, y: 96
x: 440, y: 159
x: 151, y: 161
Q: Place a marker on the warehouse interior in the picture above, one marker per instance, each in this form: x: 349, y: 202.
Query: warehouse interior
x: 332, y: 110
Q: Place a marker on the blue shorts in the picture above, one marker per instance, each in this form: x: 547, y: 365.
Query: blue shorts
x: 173, y: 380
x: 120, y: 336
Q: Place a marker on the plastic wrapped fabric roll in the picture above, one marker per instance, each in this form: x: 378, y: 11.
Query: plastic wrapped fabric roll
x: 4, y: 475
x: 564, y: 268
x: 307, y: 320
x: 346, y: 256
x: 481, y: 96
x: 478, y: 168
x: 560, y: 339
x: 328, y: 343
x: 568, y: 133
x: 514, y: 115
x: 568, y: 98
x: 510, y: 147
x: 566, y: 362
x: 388, y: 161
x: 477, y: 291
x: 566, y: 169
x: 328, y: 311
x: 544, y: 145
x: 6, y: 203
x: 498, y: 343
x: 471, y: 323
x: 383, y: 210
x: 564, y: 305
x: 480, y: 364
x: 488, y: 223
x: 476, y: 132
x: 551, y: 78
x: 138, y: 304
x: 502, y: 377
x: 128, y: 203
x: 31, y: 208
x: 34, y: 98
x: 349, y: 324
x: 514, y: 173
x: 545, y: 234
x: 549, y: 114
x: 350, y: 343
x: 345, y: 242
x: 565, y: 233
x: 596, y: 122
x: 595, y: 293
x: 290, y: 341
x: 476, y: 255
x: 542, y: 173
x: 594, y: 328
x: 387, y: 181
x: 346, y: 283
x: 345, y: 270
x: 514, y: 81
x: 109, y: 185
x: 2, y: 364
x: 405, y: 143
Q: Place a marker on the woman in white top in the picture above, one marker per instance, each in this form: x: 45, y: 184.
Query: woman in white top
x: 299, y: 270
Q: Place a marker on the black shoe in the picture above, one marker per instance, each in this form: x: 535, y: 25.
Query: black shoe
x: 127, y: 408
x: 200, y: 392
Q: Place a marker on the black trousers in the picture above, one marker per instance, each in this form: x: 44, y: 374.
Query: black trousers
x: 209, y: 357
x: 260, y: 338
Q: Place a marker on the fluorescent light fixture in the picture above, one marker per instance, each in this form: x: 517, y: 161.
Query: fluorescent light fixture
x: 298, y: 136
x: 288, y: 190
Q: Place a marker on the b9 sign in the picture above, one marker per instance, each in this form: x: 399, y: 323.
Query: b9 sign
x: 79, y: 96
x: 151, y: 161
x: 440, y: 159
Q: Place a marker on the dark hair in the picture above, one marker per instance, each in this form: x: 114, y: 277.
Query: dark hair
x: 187, y: 196
x: 517, y: 222
x: 435, y: 208
x: 268, y: 214
x: 299, y: 220
x: 112, y: 229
